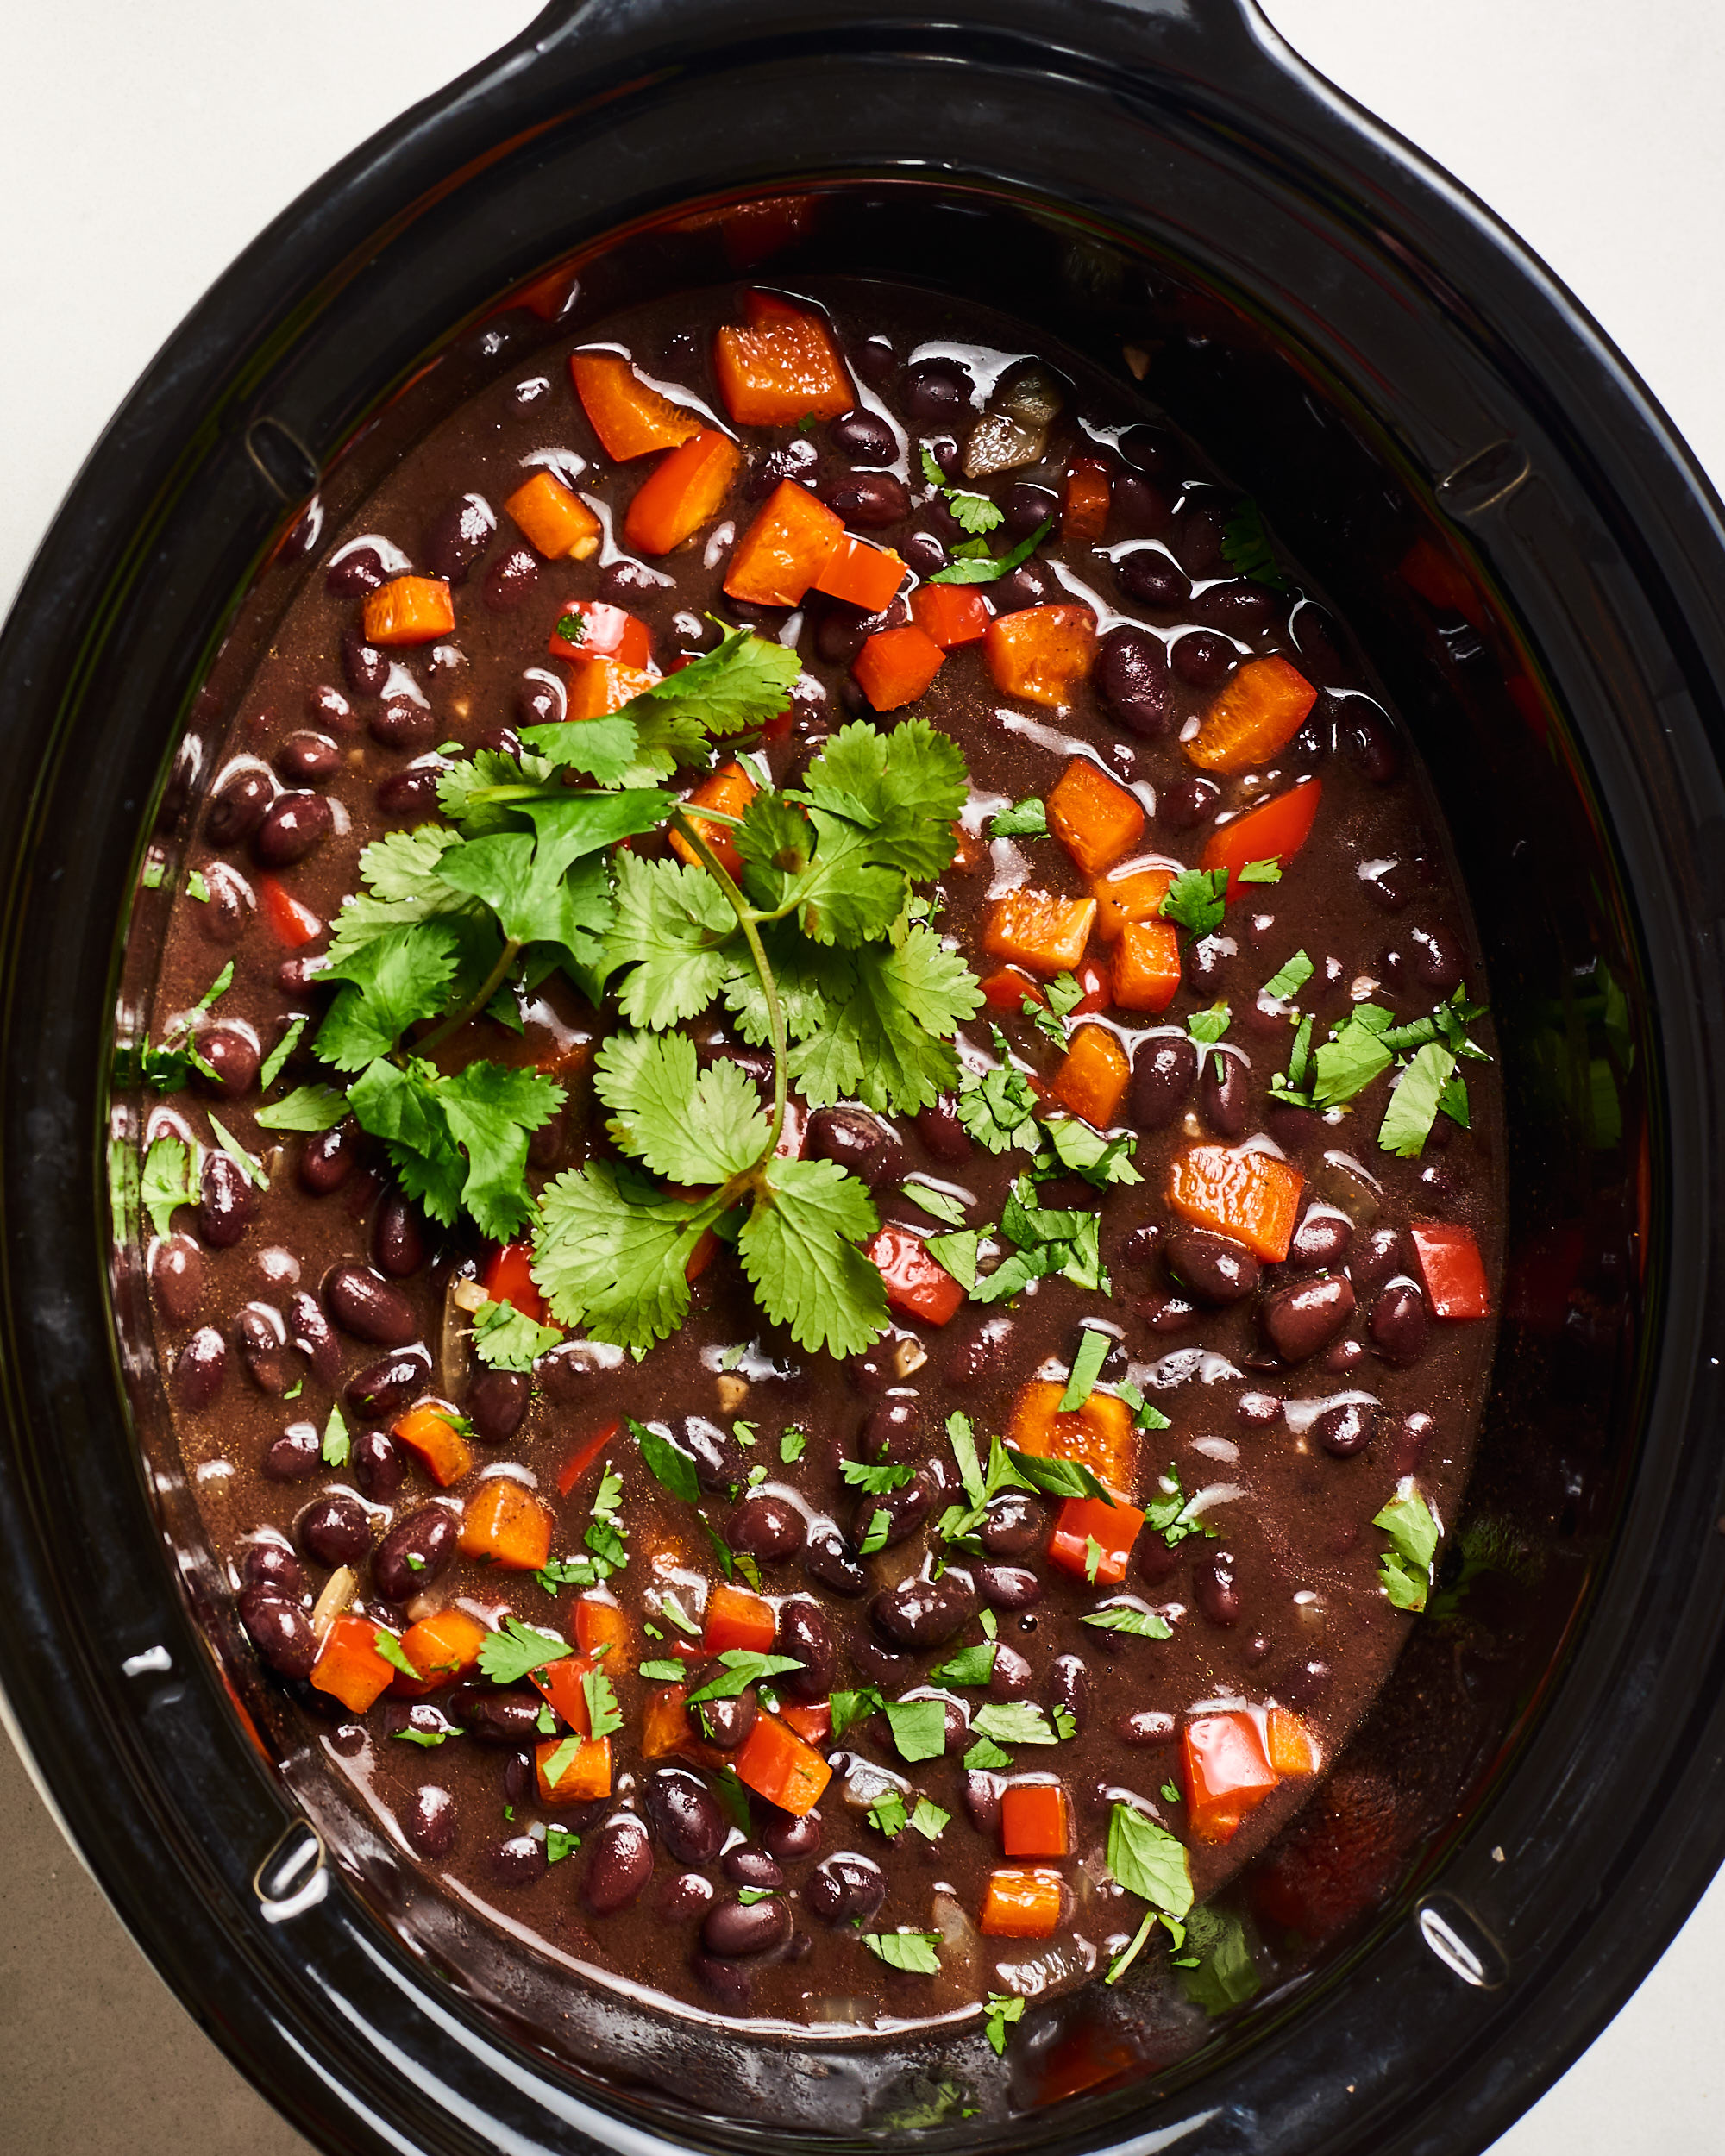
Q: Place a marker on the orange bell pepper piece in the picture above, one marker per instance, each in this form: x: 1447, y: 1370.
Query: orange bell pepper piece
x: 782, y: 368
x: 1023, y: 1901
x: 1293, y: 1749
x: 950, y: 614
x: 896, y: 665
x: 602, y: 1625
x: 683, y: 494
x: 1091, y: 1077
x: 1094, y: 817
x: 1043, y: 654
x: 1253, y: 1197
x: 1084, y: 502
x: 583, y: 1777
x: 1036, y: 1821
x: 1129, y: 893
x: 916, y: 1285
x: 865, y: 575
x: 735, y: 1618
x: 630, y: 419
x: 1010, y: 990
x: 1453, y: 1270
x: 729, y: 789
x: 441, y: 1647
x: 349, y: 1666
x: 1255, y: 714
x: 664, y: 1723
x: 1225, y: 1773
x: 1036, y: 930
x: 429, y: 1429
x: 1146, y: 966
x: 408, y: 609
x: 606, y: 632
x: 506, y: 1524
x: 776, y: 1763
x: 1099, y: 1436
x: 291, y: 923
x: 812, y: 1723
x: 554, y: 521
x: 1113, y: 1528
x: 1275, y: 830
x: 784, y: 550
x: 599, y: 687
x: 508, y: 1277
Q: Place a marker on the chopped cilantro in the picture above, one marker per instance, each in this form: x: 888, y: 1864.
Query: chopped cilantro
x: 513, y: 1652
x: 560, y: 1843
x: 970, y: 1665
x: 1206, y: 1026
x: 999, y: 2012
x: 887, y: 1813
x: 1145, y: 1416
x: 1170, y: 1514
x: 271, y: 1068
x: 875, y: 1479
x: 1261, y: 871
x: 973, y: 513
x: 667, y: 1672
x: 875, y: 1536
x: 506, y: 1338
x: 1013, y: 1722
x: 1087, y: 1366
x: 1195, y: 900
x: 928, y: 1819
x: 1414, y: 1100
x: 939, y: 1205
x: 917, y: 1951
x: 1405, y: 1568
x: 919, y: 1727
x: 791, y: 1445
x: 336, y: 1447
x: 389, y: 1647
x: 1023, y: 819
x: 1220, y: 1973
x: 848, y: 1707
x: 972, y: 563
x: 739, y: 1668
x: 986, y: 1756
x: 674, y: 1471
x: 1290, y: 978
x: 558, y: 1762
x: 1142, y: 1624
x: 171, y: 1179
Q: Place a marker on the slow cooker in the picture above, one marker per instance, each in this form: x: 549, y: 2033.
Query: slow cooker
x: 1532, y: 564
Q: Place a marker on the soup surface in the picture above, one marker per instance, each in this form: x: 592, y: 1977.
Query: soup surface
x: 823, y: 1168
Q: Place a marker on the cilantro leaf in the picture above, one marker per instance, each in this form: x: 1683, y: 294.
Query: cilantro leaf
x: 1405, y: 1568
x: 271, y: 1068
x: 171, y: 1179
x: 389, y: 1646
x: 1206, y: 1026
x: 884, y: 1037
x: 509, y: 1655
x: 744, y: 681
x: 558, y: 1763
x: 961, y: 1435
x: 662, y: 1672
x: 460, y: 1140
x: 986, y: 1756
x: 1141, y: 1624
x: 939, y: 1205
x: 1267, y: 871
x: 799, y: 1249
x: 671, y: 927
x: 998, y: 1108
x: 306, y: 1108
x: 1000, y: 2011
x: 560, y: 1843
x: 685, y: 1123
x: 973, y: 513
x: 1350, y: 1059
x: 389, y: 983
x: 1195, y: 900
x: 1144, y: 1417
x: 917, y: 1951
x: 1149, y: 1862
x: 1290, y: 978
x: 1078, y: 1147
x: 1226, y: 1975
x: 505, y: 1338
x: 929, y: 1821
x: 970, y: 1665
x: 673, y: 1470
x: 919, y: 1727
x: 876, y: 1479
x: 604, y: 1716
x: 612, y: 1252
x: 887, y: 1813
x: 1170, y: 1514
x: 1023, y: 819
x: 1245, y: 546
x: 336, y: 1447
x: 1414, y: 1101
x: 848, y: 1707
x: 1013, y: 1722
x: 740, y: 1668
x: 1087, y: 1366
x: 985, y: 568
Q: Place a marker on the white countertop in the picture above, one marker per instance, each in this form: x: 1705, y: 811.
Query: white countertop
x: 141, y: 147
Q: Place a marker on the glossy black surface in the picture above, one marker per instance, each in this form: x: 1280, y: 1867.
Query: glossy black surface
x: 1353, y: 339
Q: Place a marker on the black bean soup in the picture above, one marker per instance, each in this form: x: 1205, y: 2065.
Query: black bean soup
x: 735, y: 1669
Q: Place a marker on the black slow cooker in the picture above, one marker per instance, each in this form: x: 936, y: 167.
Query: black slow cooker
x: 1535, y: 566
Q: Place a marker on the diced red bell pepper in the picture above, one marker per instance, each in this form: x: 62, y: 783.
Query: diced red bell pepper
x: 1009, y: 989
x: 1100, y: 1434
x: 950, y: 614
x: 865, y: 575
x: 560, y: 1682
x: 1098, y: 991
x: 607, y: 632
x: 349, y: 1666
x: 1453, y: 1270
x: 776, y: 1763
x: 508, y: 1277
x: 1292, y: 1747
x: 812, y: 1721
x: 782, y: 368
x: 630, y: 419
x: 601, y: 1626
x: 441, y: 1647
x: 1132, y: 892
x: 735, y: 1618
x: 428, y: 1430
x: 1022, y: 1901
x: 916, y: 1285
x: 1225, y: 1773
x: 784, y: 550
x: 1084, y: 504
x: 1113, y: 1528
x: 683, y: 492
x: 1044, y: 654
x: 290, y: 922
x: 1036, y: 1821
x: 1275, y: 830
x: 895, y: 666
x: 584, y: 1456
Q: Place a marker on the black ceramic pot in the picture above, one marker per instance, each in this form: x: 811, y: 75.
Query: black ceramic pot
x: 1528, y: 557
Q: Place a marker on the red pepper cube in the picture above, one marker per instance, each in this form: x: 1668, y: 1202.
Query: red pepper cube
x: 607, y: 632
x: 730, y: 789
x: 290, y: 922
x: 916, y: 1286
x: 1274, y: 831
x: 349, y: 1666
x: 735, y: 1618
x: 1226, y: 1774
x: 1036, y: 1821
x: 560, y: 1683
x: 584, y: 1456
x: 1453, y: 1270
x: 861, y: 574
x: 1084, y: 502
x: 783, y: 551
x: 509, y: 1278
x: 896, y: 665
x: 1010, y: 990
x: 951, y: 614
x: 1113, y: 1528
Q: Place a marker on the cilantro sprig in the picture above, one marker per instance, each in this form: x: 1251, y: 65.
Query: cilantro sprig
x: 1149, y: 1862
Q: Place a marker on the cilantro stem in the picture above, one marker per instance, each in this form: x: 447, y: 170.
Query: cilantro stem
x: 474, y: 1004
x: 758, y: 950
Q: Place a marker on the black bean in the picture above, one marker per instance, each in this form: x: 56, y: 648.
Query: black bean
x: 364, y: 667
x: 238, y: 808
x: 458, y: 537
x: 359, y: 571
x: 974, y: 1354
x: 878, y: 1664
x: 1009, y: 1586
x: 1203, y: 660
x: 1321, y: 1238
x: 619, y: 1865
x: 497, y: 1401
x: 1142, y: 505
x: 413, y: 1553
x: 1144, y: 1244
x: 307, y: 759
x: 839, y: 636
x: 233, y: 1059
x: 369, y: 1307
x: 942, y: 1134
x: 683, y: 1895
x: 1343, y: 1356
x: 199, y: 1368
x: 1368, y: 740
x: 1398, y: 1324
x: 684, y: 1813
x: 1069, y: 1686
x: 936, y: 391
x: 1166, y: 1314
x: 1154, y: 1559
x: 1439, y: 959
x: 1215, y: 1589
x: 924, y: 553
x: 1028, y: 508
x: 279, y: 1629
x: 858, y: 1141
x: 1131, y: 679
x: 736, y: 1930
x: 273, y: 1564
x: 1384, y: 1251
x: 336, y: 1530
x: 1224, y: 1093
x: 227, y: 1202
x: 1306, y: 1682
x: 872, y: 1371
x: 981, y: 1793
x: 409, y: 795
x: 1153, y: 581
x: 1146, y: 1725
x: 1165, y: 1070
x: 727, y: 1982
x: 494, y: 1717
x: 379, y: 1467
x: 905, y: 1510
x: 1258, y: 1411
x: 1010, y: 1676
x: 919, y: 1613
x: 294, y: 824
x: 844, y: 1887
x: 1299, y: 1320
x: 294, y: 1455
x: 863, y: 437
x: 224, y: 915
x: 1012, y: 1525
x: 789, y: 1840
x: 399, y: 1235
x: 327, y: 1159
x: 403, y: 724
x: 509, y: 580
x: 725, y: 1723
x: 748, y: 1867
x: 1198, y: 539
x: 520, y: 1861
x: 805, y: 1632
x: 427, y: 1820
x: 308, y: 1332
x: 1346, y: 1428
x: 1184, y: 804
x: 1212, y: 1269
x: 263, y: 1347
x: 1016, y: 590
x: 830, y: 1563
x: 177, y: 1275
x: 1243, y: 608
x: 385, y: 1386
x: 893, y: 1430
